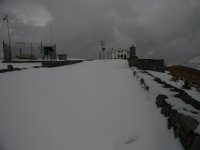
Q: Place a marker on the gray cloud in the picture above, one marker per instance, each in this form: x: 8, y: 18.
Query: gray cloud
x: 159, y: 28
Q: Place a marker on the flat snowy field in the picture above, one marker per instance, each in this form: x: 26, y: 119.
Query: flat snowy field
x: 95, y: 105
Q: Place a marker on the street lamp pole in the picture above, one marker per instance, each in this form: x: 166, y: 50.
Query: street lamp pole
x: 6, y: 18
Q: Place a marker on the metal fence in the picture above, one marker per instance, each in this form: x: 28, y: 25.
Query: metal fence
x: 22, y: 50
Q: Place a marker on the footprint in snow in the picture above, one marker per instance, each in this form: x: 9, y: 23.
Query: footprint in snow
x: 130, y: 140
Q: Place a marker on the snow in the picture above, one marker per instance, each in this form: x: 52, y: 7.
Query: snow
x: 18, y: 65
x: 166, y: 77
x: 177, y: 104
x: 96, y: 105
x: 75, y: 59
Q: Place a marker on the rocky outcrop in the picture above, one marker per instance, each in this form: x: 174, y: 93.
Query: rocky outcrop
x: 181, y: 94
x: 184, y: 126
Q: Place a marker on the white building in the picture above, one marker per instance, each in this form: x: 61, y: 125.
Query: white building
x: 119, y: 54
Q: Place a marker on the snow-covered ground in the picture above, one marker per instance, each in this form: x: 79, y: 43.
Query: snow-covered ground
x: 96, y: 105
x: 177, y: 104
x: 18, y: 65
x: 167, y: 78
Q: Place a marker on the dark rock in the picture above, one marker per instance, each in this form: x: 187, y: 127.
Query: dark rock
x: 17, y: 69
x: 166, y: 85
x: 184, y: 127
x: 188, y: 139
x: 196, y: 143
x: 186, y: 85
x: 37, y: 67
x: 172, y: 118
x: 3, y: 70
x: 188, y: 124
x: 160, y: 100
x: 166, y: 110
x: 194, y: 112
x: 10, y: 67
x: 188, y: 100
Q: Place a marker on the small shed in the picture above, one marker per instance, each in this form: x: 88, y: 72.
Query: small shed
x: 49, y: 51
x: 62, y: 56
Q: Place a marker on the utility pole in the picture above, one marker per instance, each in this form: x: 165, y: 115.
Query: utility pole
x: 111, y: 53
x: 99, y: 55
x: 10, y: 55
x: 102, y: 43
x: 42, y: 51
x: 31, y: 52
x: 51, y: 35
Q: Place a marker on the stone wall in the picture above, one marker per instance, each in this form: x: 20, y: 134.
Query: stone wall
x: 184, y: 126
x: 147, y: 64
x: 151, y: 64
x: 133, y: 61
x: 60, y: 63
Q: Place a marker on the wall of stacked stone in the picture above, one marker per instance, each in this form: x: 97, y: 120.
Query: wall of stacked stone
x: 151, y: 64
x: 184, y: 126
x: 60, y: 63
x: 132, y: 61
x: 148, y: 64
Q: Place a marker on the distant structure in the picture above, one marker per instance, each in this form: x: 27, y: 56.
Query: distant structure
x: 48, y: 52
x: 29, y: 51
x: 119, y: 54
x: 7, y: 52
x: 62, y: 56
x: 145, y: 64
x: 21, y: 50
x: 102, y: 43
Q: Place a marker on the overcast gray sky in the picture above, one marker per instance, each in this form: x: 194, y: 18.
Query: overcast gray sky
x: 168, y: 29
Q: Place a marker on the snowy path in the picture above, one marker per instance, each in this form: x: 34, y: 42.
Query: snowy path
x: 94, y: 105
